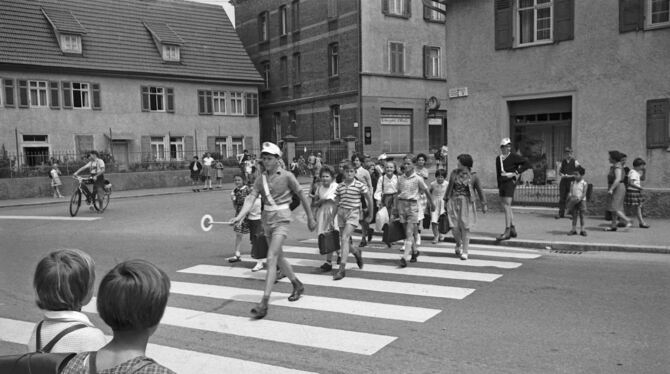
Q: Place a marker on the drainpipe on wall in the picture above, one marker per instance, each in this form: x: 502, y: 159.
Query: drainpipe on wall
x: 18, y: 158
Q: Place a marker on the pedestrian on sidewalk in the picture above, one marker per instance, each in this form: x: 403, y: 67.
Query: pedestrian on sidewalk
x: 410, y: 187
x: 218, y: 166
x: 566, y: 173
x: 460, y: 201
x: 438, y: 189
x: 326, y: 208
x: 278, y: 186
x: 238, y: 196
x: 207, y: 171
x: 576, y: 201
x: 508, y: 167
x: 348, y: 196
x: 634, y: 189
x: 195, y: 167
x: 616, y: 190
x: 54, y: 174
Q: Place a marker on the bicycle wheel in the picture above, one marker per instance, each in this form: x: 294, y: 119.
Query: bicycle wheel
x: 99, y: 205
x: 75, y: 202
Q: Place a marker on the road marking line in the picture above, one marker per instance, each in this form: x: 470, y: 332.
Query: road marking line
x: 52, y: 218
x: 281, y: 332
x: 414, y: 271
x: 395, y: 256
x: 178, y: 360
x: 327, y: 304
x: 414, y: 289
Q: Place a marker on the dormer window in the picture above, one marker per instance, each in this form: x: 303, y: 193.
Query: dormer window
x: 166, y: 39
x: 70, y: 43
x: 67, y: 29
x: 170, y: 52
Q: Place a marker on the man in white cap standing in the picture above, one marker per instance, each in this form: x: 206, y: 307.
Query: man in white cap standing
x: 276, y: 187
x: 508, y: 167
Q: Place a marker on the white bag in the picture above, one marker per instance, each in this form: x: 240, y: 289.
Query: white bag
x: 381, y: 219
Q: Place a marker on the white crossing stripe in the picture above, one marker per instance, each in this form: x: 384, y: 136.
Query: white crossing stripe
x: 282, y: 332
x: 414, y: 289
x: 327, y: 304
x: 422, y: 258
x: 179, y: 360
x: 52, y: 218
x: 410, y: 270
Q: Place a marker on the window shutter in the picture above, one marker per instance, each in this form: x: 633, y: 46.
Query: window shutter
x: 202, y: 102
x: 145, y: 98
x: 426, y: 61
x: 23, y: 94
x: 564, y: 20
x: 631, y: 15
x: 332, y: 9
x: 170, y: 100
x: 211, y: 143
x: 503, y: 24
x: 8, y: 85
x: 54, y: 102
x: 426, y: 13
x: 67, y: 94
x: 97, y: 105
x: 145, y: 147
x: 407, y: 11
x: 385, y: 6
x: 188, y: 146
x: 658, y: 120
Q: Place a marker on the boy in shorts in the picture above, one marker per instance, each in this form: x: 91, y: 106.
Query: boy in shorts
x: 576, y: 201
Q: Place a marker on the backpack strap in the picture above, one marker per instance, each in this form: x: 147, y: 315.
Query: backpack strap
x: 47, y: 348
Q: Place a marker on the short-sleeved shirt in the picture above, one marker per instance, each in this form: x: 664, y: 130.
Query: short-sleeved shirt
x: 281, y: 184
x: 349, y: 195
x: 578, y: 189
x: 79, y: 365
x: 364, y: 176
x: 408, y: 187
x: 94, y: 166
x: 634, y: 179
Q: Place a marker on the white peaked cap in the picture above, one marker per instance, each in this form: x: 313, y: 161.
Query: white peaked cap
x: 271, y: 148
x: 382, y: 156
x: 505, y: 141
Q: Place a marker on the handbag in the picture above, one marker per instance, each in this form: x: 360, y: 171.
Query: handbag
x: 329, y: 242
x: 42, y: 361
x: 260, y: 248
x: 392, y: 232
x: 426, y: 221
x: 443, y: 224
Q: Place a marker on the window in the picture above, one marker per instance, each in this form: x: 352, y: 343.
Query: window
x: 158, y: 99
x: 263, y: 19
x: 221, y: 146
x: 434, y: 15
x: 400, y: 8
x: 534, y: 21
x: 297, y: 79
x: 333, y: 60
x: 283, y: 20
x: 335, y: 121
x: 396, y: 58
x: 158, y: 148
x: 236, y: 103
x: 396, y: 130
x: 658, y: 12
x: 237, y: 146
x: 266, y: 74
x: 658, y: 120
x: 295, y: 15
x: 80, y: 95
x: 170, y: 52
x: 177, y: 148
x: 219, y: 102
x: 431, y: 59
x: 252, y: 104
x: 8, y: 86
x: 70, y: 43
x: 332, y: 9
x: 283, y: 71
x: 277, y: 125
x: 38, y: 93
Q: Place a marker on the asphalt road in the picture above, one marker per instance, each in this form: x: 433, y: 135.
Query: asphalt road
x: 595, y: 312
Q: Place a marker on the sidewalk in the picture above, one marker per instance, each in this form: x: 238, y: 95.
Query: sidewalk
x: 537, y: 227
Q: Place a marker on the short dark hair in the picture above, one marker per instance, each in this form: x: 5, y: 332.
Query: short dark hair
x: 421, y: 155
x: 356, y: 156
x: 133, y: 296
x: 347, y: 166
x: 239, y: 175
x: 440, y: 173
x: 638, y: 162
x: 616, y: 155
x: 94, y: 153
x: 465, y: 160
x: 327, y: 169
x: 411, y: 157
x: 63, y: 280
x: 580, y: 169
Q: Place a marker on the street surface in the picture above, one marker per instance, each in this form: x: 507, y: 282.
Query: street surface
x: 506, y: 310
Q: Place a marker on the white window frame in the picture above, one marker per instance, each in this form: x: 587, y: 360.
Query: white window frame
x: 334, y: 56
x: 435, y: 62
x: 221, y: 146
x: 237, y: 103
x: 283, y: 20
x: 263, y: 18
x: 435, y: 15
x: 537, y: 6
x: 218, y: 102
x: 70, y: 43
x: 38, y: 94
x: 335, y: 121
x: 157, y: 96
x: 83, y: 90
x: 396, y: 7
x: 171, y: 52
x: 237, y: 144
x: 649, y: 16
x: 158, y: 150
x: 404, y: 57
x: 178, y: 143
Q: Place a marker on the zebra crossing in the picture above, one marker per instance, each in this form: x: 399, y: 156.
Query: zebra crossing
x: 426, y: 280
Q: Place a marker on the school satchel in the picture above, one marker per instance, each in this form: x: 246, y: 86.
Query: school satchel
x: 392, y: 232
x: 329, y: 242
x: 426, y: 221
x: 42, y: 361
x: 260, y: 248
x: 443, y: 224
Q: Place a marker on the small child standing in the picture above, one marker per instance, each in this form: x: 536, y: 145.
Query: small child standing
x: 218, y: 165
x: 238, y: 195
x: 54, y: 174
x: 576, y: 201
x: 438, y: 187
x: 324, y: 202
x: 633, y: 197
x: 255, y: 224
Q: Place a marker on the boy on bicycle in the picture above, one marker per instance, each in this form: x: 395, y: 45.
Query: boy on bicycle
x: 97, y: 170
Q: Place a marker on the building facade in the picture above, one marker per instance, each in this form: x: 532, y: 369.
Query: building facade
x: 141, y: 80
x: 592, y: 75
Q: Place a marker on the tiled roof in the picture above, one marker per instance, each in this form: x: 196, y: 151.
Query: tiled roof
x: 63, y: 20
x: 117, y: 40
x: 163, y: 32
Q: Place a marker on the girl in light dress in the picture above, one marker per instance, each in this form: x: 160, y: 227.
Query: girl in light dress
x: 438, y: 187
x: 55, y: 180
x: 421, y: 170
x: 238, y: 195
x: 323, y: 201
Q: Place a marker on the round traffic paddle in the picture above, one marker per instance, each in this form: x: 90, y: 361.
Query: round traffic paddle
x: 206, y: 222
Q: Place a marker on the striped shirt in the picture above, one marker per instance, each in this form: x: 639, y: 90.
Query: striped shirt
x: 349, y: 195
x: 408, y: 187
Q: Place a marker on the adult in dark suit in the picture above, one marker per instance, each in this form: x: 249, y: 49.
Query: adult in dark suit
x: 508, y: 167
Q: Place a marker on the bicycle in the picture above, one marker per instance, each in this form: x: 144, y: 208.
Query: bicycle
x: 80, y: 189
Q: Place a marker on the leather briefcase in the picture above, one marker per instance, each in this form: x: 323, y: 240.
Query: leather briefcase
x: 329, y: 242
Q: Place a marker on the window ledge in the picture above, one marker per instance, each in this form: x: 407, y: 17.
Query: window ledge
x: 393, y: 15
x: 656, y: 27
x: 537, y: 44
x: 297, y: 84
x: 333, y: 77
x: 435, y: 21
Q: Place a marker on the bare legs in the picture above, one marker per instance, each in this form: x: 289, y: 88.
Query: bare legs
x: 506, y: 205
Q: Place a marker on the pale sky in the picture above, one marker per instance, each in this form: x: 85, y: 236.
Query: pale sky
x: 229, y: 8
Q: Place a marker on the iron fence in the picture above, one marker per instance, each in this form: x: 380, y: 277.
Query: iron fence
x: 536, y: 194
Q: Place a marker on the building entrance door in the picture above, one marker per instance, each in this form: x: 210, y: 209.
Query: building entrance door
x: 437, y: 133
x: 120, y: 151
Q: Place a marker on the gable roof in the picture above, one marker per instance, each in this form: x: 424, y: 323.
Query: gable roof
x: 63, y: 21
x: 116, y: 39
